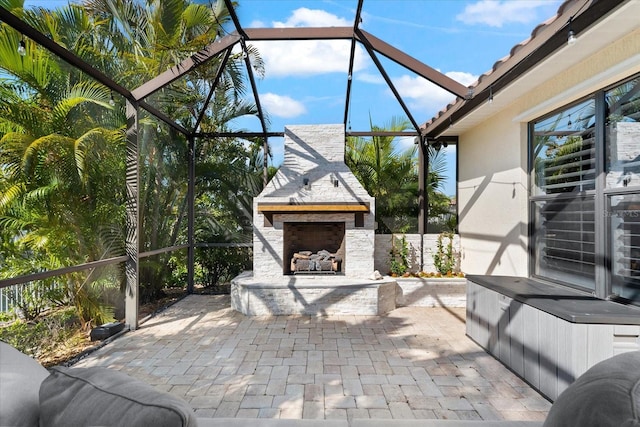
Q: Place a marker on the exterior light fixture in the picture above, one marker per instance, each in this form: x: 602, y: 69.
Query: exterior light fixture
x: 437, y: 145
x: 306, y: 183
x: 490, y: 94
x: 571, y: 36
x: 112, y: 101
x: 22, y: 48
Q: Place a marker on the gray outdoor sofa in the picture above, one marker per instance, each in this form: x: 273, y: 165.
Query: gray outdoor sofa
x: 608, y: 394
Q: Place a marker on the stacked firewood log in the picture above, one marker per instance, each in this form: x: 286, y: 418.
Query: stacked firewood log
x: 322, y: 261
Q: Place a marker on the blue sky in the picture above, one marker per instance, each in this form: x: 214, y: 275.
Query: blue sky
x: 305, y: 81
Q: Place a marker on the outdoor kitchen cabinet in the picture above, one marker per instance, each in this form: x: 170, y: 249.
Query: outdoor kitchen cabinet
x: 545, y: 349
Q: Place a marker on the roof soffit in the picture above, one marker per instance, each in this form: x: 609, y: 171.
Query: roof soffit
x: 537, y: 59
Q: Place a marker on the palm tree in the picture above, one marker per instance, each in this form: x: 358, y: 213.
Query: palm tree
x: 148, y: 39
x: 58, y: 198
x: 439, y: 204
x: 62, y: 144
x: 389, y: 175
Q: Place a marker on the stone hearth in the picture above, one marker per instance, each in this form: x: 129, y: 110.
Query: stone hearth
x: 312, y: 295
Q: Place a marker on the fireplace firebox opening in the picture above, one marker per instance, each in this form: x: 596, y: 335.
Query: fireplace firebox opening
x: 313, y: 248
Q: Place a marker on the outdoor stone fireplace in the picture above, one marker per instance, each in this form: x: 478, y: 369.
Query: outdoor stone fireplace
x: 313, y: 203
x: 313, y: 212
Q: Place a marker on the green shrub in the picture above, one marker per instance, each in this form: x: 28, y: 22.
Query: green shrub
x: 444, y: 259
x: 43, y: 335
x: 7, y: 316
x: 399, y: 263
x: 219, y: 265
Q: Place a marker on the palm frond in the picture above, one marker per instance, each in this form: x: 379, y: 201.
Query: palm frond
x: 83, y: 92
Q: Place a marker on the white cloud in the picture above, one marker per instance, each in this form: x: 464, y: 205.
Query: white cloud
x: 370, y: 78
x: 496, y: 13
x: 405, y: 143
x: 462, y: 77
x: 282, y: 105
x: 304, y: 17
x: 309, y: 57
x: 425, y: 96
x: 257, y: 24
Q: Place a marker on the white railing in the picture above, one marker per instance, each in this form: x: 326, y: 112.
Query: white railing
x: 6, y: 303
x: 13, y: 295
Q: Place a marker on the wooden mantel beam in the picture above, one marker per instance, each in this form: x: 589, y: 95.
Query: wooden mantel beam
x: 312, y: 207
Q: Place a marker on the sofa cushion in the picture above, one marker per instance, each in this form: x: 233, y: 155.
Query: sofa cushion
x: 20, y: 378
x: 364, y: 422
x: 608, y: 394
x: 99, y: 396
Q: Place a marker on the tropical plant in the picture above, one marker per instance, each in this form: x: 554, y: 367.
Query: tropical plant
x: 391, y: 176
x: 218, y: 265
x: 62, y: 144
x: 439, y: 204
x: 444, y: 259
x: 59, y: 200
x: 149, y: 39
x: 399, y: 262
x: 388, y: 174
x: 226, y: 184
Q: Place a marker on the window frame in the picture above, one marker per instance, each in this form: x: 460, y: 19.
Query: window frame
x: 603, y: 247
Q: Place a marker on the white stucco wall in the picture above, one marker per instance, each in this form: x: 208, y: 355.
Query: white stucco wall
x: 604, y: 68
x: 492, y: 186
x: 492, y: 198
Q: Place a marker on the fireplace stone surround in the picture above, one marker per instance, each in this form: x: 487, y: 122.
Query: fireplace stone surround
x: 313, y: 190
x: 313, y: 185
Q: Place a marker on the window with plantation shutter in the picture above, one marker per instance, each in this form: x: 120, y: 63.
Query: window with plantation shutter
x: 569, y: 205
x: 565, y: 240
x: 564, y: 172
x: 571, y: 166
x: 564, y: 149
x: 622, y: 142
x: 624, y: 224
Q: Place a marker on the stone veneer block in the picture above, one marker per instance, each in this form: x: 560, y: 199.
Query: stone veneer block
x: 431, y: 292
x: 315, y: 296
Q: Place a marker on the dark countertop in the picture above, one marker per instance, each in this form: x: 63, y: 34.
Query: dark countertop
x: 566, y: 303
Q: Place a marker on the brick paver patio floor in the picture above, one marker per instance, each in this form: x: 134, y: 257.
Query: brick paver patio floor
x: 414, y: 362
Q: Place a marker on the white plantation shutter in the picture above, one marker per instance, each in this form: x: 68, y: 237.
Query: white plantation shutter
x: 564, y: 177
x: 565, y: 239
